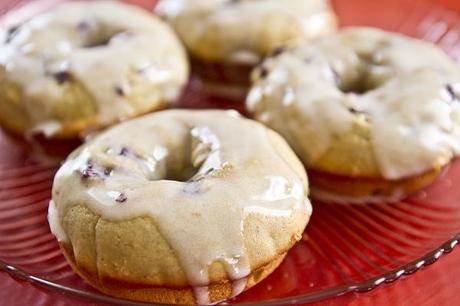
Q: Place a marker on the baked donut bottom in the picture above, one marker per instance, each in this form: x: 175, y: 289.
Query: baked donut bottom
x: 223, y: 79
x: 77, y: 129
x: 59, y: 145
x: 341, y: 189
x: 62, y: 142
x: 46, y: 149
x: 167, y: 295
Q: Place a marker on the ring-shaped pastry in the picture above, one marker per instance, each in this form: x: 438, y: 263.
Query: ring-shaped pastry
x: 85, y: 65
x: 373, y: 115
x: 180, y: 206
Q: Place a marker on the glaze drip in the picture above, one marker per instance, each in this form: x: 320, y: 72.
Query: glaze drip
x: 238, y: 174
x: 402, y: 90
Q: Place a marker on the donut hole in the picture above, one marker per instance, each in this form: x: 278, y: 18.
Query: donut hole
x: 369, y: 73
x: 95, y: 34
x: 360, y: 82
x: 359, y: 87
x: 188, y: 159
x: 159, y: 166
x: 186, y: 174
x: 100, y: 40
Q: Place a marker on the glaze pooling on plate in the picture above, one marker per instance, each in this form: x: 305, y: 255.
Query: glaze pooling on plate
x: 198, y: 175
x: 405, y: 92
x: 245, y: 31
x: 96, y: 62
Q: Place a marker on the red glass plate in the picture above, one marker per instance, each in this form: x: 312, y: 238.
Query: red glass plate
x: 346, y: 248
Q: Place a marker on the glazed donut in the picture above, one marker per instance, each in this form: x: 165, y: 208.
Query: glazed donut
x: 86, y: 65
x: 373, y: 115
x: 201, y: 207
x: 226, y: 38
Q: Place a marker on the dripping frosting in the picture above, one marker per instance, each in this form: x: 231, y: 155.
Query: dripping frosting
x: 402, y: 92
x: 214, y: 172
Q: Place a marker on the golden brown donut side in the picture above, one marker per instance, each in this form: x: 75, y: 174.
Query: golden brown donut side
x: 366, y: 188
x: 100, y: 255
x: 364, y: 104
x: 227, y: 39
x: 130, y: 209
x: 139, y: 292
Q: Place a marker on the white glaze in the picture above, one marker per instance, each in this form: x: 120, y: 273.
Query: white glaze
x: 415, y: 122
x: 238, y: 286
x: 239, y: 173
x: 202, y: 295
x: 244, y: 31
x: 140, y: 49
x: 53, y: 220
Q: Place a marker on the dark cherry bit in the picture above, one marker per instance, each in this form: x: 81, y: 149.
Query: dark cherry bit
x: 92, y: 172
x: 119, y: 90
x: 355, y: 111
x: 83, y: 26
x: 263, y: 72
x: 450, y: 90
x: 11, y: 33
x: 124, y: 151
x: 122, y: 198
x: 277, y: 51
x: 88, y: 172
x: 62, y: 76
